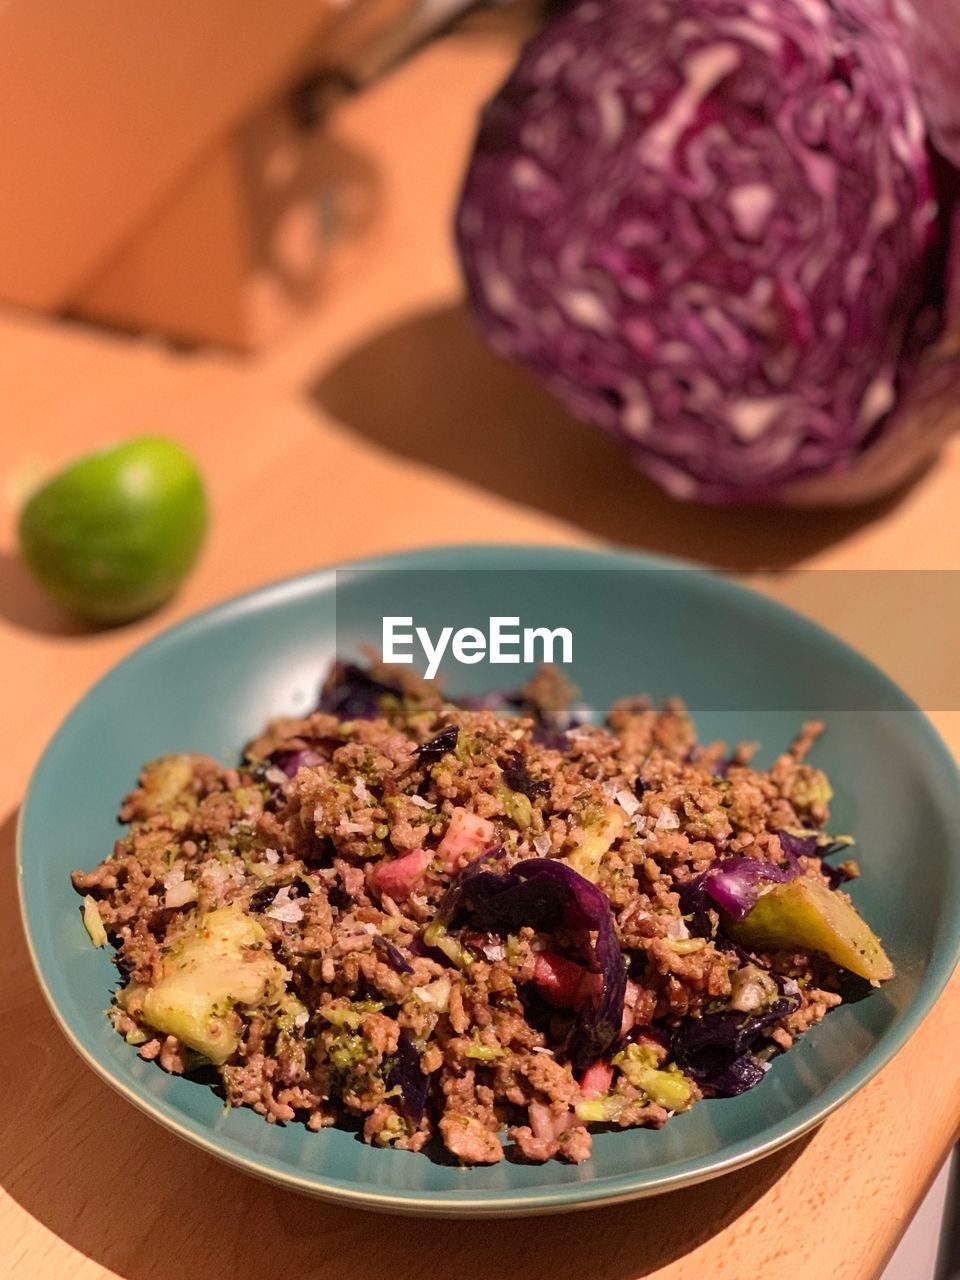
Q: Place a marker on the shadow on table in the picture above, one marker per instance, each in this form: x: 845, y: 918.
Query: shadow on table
x: 26, y: 605
x: 430, y: 390
x: 120, y: 1190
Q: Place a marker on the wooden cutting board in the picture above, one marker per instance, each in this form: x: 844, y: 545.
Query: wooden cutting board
x: 382, y: 424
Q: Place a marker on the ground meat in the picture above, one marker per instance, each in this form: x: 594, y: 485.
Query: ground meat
x: 102, y: 877
x: 552, y: 1132
x: 815, y: 1004
x: 576, y: 1144
x: 548, y: 1078
x: 704, y: 972
x: 321, y: 867
x: 251, y: 1085
x: 456, y: 1011
x: 468, y: 1139
x: 141, y: 953
x: 381, y: 1032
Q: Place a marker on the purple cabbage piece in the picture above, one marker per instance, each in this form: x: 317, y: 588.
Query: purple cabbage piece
x: 717, y: 1049
x: 351, y: 693
x: 407, y: 1074
x: 794, y: 846
x: 434, y: 750
x: 517, y: 778
x: 452, y: 900
x: 808, y: 846
x: 704, y: 225
x: 393, y: 954
x: 547, y: 894
x: 733, y: 884
x: 734, y: 1078
x: 837, y: 877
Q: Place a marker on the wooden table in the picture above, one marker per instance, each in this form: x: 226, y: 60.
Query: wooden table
x: 381, y: 423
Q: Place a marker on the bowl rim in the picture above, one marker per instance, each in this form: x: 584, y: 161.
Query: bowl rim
x: 565, y: 1197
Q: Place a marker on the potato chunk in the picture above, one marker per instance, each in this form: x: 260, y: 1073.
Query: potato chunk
x: 805, y: 913
x: 221, y: 963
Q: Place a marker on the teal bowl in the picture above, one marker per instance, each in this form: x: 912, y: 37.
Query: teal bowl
x: 749, y: 669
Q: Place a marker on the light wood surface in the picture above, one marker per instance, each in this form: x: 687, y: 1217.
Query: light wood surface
x: 381, y: 423
x: 105, y: 105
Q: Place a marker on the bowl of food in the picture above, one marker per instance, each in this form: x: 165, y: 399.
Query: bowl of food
x: 490, y: 946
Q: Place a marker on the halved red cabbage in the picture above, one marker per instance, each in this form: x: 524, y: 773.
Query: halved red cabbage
x: 704, y: 224
x: 547, y: 894
x: 931, y: 29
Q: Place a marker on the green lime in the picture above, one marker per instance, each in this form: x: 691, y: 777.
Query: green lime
x: 114, y: 535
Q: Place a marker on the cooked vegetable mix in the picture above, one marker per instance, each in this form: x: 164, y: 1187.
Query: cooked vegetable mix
x: 464, y: 922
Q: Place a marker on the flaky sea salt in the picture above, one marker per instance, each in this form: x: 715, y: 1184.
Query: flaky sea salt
x: 287, y: 913
x: 271, y: 856
x: 420, y: 802
x: 628, y: 802
x: 361, y: 792
x: 284, y: 907
x: 667, y: 820
x: 542, y: 844
x: 215, y: 877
